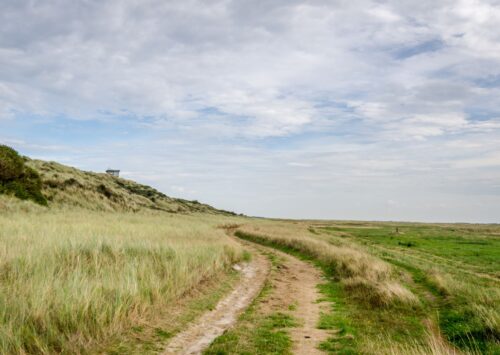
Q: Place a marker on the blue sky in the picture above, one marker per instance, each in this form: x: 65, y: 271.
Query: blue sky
x: 378, y: 110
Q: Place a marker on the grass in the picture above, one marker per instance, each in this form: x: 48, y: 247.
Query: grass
x: 150, y: 338
x: 394, y: 307
x: 67, y: 187
x: 266, y: 335
x: 469, y: 246
x: 258, y: 331
x: 344, y: 340
x: 71, y: 281
x: 454, y: 266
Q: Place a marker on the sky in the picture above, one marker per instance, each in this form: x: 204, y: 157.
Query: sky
x: 372, y: 110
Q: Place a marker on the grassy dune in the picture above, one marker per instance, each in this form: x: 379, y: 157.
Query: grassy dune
x: 70, y: 187
x: 74, y: 280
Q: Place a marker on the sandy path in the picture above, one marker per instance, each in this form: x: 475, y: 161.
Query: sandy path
x: 212, y: 324
x: 304, y: 280
x: 294, y: 291
x: 295, y: 284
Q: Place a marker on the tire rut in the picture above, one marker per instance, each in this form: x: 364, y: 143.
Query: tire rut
x: 212, y: 324
x: 295, y: 292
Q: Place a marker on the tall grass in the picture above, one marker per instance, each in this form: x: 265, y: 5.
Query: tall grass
x: 469, y: 311
x: 433, y: 346
x: 364, y: 276
x: 71, y: 280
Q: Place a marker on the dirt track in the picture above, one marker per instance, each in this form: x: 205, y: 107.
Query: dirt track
x: 293, y: 283
x: 212, y: 324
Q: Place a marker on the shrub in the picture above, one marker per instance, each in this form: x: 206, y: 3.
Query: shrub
x: 11, y: 164
x: 17, y: 179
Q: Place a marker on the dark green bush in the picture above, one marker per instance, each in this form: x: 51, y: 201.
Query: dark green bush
x: 11, y: 164
x: 17, y: 179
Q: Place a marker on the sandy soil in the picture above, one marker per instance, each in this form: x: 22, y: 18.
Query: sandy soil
x: 294, y: 284
x: 294, y: 291
x: 212, y: 324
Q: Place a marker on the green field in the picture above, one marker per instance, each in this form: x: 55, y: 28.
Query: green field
x: 476, y: 248
x: 410, y: 288
x: 458, y: 265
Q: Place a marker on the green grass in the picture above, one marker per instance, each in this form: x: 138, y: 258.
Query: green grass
x: 344, y: 340
x: 454, y: 268
x: 256, y: 332
x: 475, y: 247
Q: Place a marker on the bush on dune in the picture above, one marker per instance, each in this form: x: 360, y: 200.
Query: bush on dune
x: 17, y: 179
x: 11, y: 164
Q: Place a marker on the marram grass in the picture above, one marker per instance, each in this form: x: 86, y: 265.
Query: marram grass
x: 69, y: 281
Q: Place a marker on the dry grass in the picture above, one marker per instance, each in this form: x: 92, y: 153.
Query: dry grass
x: 71, y: 280
x: 433, y: 346
x: 64, y: 186
x: 364, y: 276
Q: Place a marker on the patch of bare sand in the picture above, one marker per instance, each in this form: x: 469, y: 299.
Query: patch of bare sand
x: 212, y: 324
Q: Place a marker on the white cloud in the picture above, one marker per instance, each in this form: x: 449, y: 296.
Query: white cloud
x: 265, y: 63
x: 243, y: 95
x: 300, y: 165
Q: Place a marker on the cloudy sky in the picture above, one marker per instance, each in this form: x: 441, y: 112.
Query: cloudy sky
x: 318, y: 109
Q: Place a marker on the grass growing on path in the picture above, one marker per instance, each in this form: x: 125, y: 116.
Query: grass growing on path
x: 258, y: 331
x: 344, y: 340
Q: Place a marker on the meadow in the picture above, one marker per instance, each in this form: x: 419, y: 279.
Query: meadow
x: 77, y: 281
x: 455, y: 268
x: 400, y: 287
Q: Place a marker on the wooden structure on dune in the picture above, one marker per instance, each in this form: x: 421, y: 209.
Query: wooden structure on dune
x: 113, y: 172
